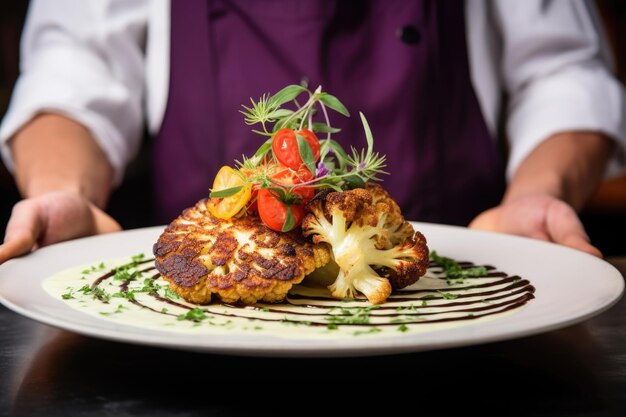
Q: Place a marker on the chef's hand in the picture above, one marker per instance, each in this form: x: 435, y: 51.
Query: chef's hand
x: 539, y: 216
x: 50, y: 218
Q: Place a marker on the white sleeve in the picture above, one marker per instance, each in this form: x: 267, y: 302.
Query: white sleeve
x: 558, y: 72
x: 85, y: 60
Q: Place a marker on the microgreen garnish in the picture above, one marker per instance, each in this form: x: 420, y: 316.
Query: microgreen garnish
x: 129, y: 295
x: 93, y: 268
x: 351, y: 315
x: 85, y: 289
x: 137, y: 258
x: 453, y: 269
x: 117, y: 310
x: 171, y: 294
x: 195, y: 314
x: 293, y: 162
x: 341, y: 169
x: 447, y: 295
x: 371, y: 330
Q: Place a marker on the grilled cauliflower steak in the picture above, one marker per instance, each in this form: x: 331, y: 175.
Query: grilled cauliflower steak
x: 238, y: 260
x: 376, y: 249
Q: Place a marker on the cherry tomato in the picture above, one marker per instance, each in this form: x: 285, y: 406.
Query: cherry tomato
x: 273, y: 212
x: 285, y: 147
x: 227, y: 207
x: 291, y: 177
x: 253, y: 204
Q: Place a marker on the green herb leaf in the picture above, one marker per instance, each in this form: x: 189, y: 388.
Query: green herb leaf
x: 195, y: 314
x: 259, y: 154
x: 337, y: 149
x: 279, y: 114
x: 101, y: 295
x: 85, y: 289
x: 334, y: 103
x: 368, y: 134
x: 286, y: 94
x: 169, y: 293
x: 129, y: 295
x: 280, y: 124
x: 280, y: 193
x: 227, y: 192
x: 324, y: 128
x: 306, y: 153
x: 354, y: 181
x: 290, y: 222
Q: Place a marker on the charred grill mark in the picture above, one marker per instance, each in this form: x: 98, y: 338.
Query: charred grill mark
x: 257, y: 283
x: 242, y: 271
x: 284, y: 271
x: 288, y: 249
x: 162, y: 248
x: 184, y: 271
x: 223, y: 283
x: 223, y: 248
x: 265, y: 238
x: 170, y: 228
x: 263, y: 262
x: 243, y: 254
x: 306, y: 251
x: 213, y: 280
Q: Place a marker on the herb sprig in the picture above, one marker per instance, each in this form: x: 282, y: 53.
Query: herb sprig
x: 453, y: 269
x: 336, y: 168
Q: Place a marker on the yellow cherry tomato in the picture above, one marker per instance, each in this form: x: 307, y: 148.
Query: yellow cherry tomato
x: 227, y: 207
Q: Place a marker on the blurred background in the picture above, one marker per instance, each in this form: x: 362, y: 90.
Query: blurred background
x: 604, y: 217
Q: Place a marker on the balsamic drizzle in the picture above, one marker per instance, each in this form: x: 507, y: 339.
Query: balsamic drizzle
x: 454, y: 300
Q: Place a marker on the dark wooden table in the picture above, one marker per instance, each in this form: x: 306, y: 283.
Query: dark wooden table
x: 579, y: 370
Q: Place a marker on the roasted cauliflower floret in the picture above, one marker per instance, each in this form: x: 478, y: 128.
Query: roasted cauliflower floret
x: 238, y: 261
x: 367, y: 233
x: 397, y: 228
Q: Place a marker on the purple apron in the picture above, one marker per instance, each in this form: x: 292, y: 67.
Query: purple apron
x: 402, y: 63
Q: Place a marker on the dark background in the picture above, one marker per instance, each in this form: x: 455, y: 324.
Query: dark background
x: 604, y: 218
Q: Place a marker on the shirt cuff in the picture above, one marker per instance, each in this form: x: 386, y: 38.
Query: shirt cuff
x: 25, y: 106
x: 583, y: 99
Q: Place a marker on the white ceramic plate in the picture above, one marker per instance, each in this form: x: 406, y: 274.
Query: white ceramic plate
x: 571, y: 286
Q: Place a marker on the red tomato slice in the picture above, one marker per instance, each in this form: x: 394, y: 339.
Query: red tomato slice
x: 313, y: 141
x: 285, y: 147
x: 273, y: 212
x: 253, y: 204
x: 291, y: 177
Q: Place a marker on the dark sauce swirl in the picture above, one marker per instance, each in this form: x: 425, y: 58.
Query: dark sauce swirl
x: 452, y: 300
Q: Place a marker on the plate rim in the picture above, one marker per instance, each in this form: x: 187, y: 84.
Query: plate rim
x: 274, y: 346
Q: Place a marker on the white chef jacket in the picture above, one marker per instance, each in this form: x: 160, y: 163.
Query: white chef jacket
x: 105, y: 64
